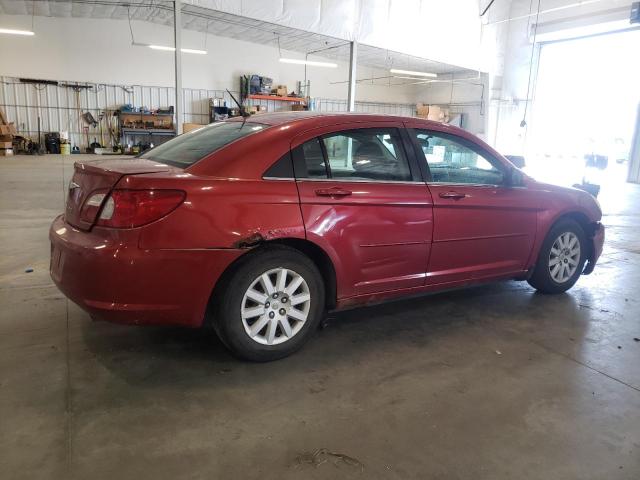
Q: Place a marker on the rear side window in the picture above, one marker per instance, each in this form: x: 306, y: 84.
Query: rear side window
x: 185, y: 150
x: 311, y: 160
x: 355, y: 155
x: 283, y: 168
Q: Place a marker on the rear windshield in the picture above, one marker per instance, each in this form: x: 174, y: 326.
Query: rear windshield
x: 185, y: 150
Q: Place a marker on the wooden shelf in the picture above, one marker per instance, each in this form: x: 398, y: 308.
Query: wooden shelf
x: 277, y: 98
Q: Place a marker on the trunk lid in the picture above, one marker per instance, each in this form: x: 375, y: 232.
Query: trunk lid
x: 90, y: 178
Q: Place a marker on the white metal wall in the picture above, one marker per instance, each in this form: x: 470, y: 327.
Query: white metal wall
x: 334, y: 105
x: 60, y: 107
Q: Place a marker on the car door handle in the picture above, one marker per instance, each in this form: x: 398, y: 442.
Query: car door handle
x: 333, y: 192
x: 453, y: 195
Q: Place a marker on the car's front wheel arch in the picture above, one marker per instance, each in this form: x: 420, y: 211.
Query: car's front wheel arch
x: 561, y: 257
x: 586, y: 225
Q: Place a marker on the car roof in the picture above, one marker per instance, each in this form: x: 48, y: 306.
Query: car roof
x: 313, y: 119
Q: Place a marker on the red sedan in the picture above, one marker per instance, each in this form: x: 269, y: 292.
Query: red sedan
x: 258, y: 227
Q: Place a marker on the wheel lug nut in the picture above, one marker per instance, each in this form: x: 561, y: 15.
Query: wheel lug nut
x: 267, y: 304
x: 282, y: 311
x: 275, y: 295
x: 284, y: 299
x: 271, y: 314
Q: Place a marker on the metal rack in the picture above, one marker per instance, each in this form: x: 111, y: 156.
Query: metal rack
x: 142, y: 118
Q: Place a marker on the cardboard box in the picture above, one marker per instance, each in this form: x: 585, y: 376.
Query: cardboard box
x: 435, y: 113
x: 432, y: 112
x: 9, y: 129
x: 189, y: 127
x: 297, y: 107
x: 6, y: 145
x: 439, y: 114
x: 280, y: 90
x: 6, y: 152
x: 422, y: 110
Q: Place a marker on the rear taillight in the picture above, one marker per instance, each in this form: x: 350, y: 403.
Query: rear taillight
x: 91, y: 207
x: 134, y: 208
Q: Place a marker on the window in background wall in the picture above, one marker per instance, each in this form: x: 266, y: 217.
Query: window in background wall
x: 585, y: 103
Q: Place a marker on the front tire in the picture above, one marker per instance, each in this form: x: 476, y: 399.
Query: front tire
x: 270, y: 305
x: 561, y: 259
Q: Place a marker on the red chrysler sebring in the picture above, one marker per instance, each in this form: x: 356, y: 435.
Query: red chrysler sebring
x: 258, y: 227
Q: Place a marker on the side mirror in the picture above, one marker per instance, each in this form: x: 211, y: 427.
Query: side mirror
x: 517, y: 160
x: 514, y: 178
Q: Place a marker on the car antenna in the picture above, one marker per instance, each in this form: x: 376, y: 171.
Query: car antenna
x: 243, y: 112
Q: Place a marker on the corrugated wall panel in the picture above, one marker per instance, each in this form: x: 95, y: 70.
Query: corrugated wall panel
x: 60, y: 107
x: 333, y: 105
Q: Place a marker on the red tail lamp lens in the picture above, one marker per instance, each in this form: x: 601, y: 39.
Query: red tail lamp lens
x: 134, y: 208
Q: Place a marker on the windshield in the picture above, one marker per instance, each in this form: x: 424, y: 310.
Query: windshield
x: 185, y: 150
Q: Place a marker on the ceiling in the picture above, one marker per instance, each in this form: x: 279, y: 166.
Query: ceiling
x: 227, y: 25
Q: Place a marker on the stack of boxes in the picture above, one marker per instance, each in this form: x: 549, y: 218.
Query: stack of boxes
x: 7, y: 132
x: 432, y: 112
x: 280, y: 91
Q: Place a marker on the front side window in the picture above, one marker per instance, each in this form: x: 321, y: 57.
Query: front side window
x: 358, y: 155
x: 185, y: 150
x: 451, y: 161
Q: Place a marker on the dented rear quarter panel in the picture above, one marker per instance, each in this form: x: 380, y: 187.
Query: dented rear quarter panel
x: 221, y: 213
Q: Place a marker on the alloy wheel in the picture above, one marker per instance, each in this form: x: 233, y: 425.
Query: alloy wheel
x: 564, y: 257
x: 275, y: 306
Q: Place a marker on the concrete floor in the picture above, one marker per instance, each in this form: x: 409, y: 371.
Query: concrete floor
x: 495, y: 382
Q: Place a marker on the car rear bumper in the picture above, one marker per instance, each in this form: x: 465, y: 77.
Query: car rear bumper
x: 106, y: 274
x: 598, y: 243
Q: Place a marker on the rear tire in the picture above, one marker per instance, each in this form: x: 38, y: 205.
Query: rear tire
x: 561, y: 258
x: 271, y: 304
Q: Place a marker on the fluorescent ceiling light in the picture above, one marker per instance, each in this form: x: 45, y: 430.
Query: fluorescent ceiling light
x: 161, y: 47
x: 183, y: 50
x: 193, y: 50
x: 172, y: 49
x: 308, y: 62
x: 414, y: 78
x: 411, y: 72
x: 8, y: 31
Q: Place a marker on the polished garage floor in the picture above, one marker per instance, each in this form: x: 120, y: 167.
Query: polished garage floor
x: 495, y: 382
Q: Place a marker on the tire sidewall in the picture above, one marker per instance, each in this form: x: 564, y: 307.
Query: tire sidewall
x: 229, y: 322
x: 542, y: 278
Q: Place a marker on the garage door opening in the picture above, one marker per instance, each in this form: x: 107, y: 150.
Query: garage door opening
x: 584, y: 110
